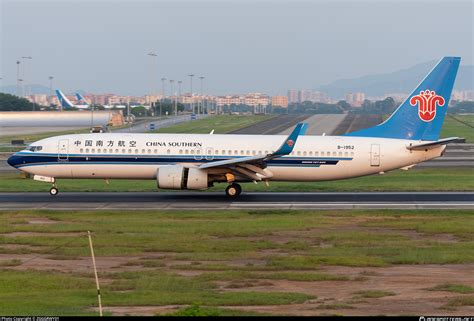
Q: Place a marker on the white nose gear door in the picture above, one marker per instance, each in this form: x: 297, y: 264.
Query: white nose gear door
x: 375, y: 155
x: 63, y: 149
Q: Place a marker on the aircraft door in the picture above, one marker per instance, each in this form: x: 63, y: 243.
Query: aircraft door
x: 375, y: 155
x: 63, y: 149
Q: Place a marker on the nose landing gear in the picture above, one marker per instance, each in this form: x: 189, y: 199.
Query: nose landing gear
x: 54, y: 190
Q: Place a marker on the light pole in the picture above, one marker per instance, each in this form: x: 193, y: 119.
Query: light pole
x: 20, y: 81
x: 192, y: 100
x: 50, y: 90
x: 162, y: 93
x: 26, y: 93
x: 18, y: 78
x: 171, y: 94
x: 153, y: 57
x: 202, y: 96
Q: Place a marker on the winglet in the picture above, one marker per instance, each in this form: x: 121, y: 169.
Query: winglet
x: 287, y: 147
x: 304, y: 129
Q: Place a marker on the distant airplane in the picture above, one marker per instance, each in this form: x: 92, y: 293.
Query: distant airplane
x: 66, y: 103
x: 81, y: 100
x: 196, y: 161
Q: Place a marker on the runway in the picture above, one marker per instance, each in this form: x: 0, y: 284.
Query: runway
x: 214, y: 200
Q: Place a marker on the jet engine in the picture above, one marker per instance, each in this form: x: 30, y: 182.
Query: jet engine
x: 179, y: 177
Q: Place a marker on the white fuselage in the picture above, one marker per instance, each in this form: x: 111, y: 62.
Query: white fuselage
x: 138, y: 156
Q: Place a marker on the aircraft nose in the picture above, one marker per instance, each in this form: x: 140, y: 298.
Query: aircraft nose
x: 14, y: 160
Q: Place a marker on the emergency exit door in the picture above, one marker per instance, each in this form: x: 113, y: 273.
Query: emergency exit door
x: 375, y: 155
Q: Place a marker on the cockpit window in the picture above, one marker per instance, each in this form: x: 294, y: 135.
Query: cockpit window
x: 34, y: 148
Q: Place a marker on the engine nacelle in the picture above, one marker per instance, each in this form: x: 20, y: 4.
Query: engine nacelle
x: 179, y: 177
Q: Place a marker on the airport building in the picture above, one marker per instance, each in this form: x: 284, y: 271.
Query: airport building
x: 355, y: 99
x: 280, y: 101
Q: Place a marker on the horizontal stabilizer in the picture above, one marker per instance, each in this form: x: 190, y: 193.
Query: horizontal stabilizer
x: 432, y: 145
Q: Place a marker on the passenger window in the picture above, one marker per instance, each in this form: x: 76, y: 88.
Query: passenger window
x: 248, y: 152
x: 223, y: 152
x: 311, y: 153
x: 304, y: 153
x: 98, y: 151
x: 242, y: 152
x: 236, y: 152
x: 123, y: 151
x: 136, y: 151
x: 143, y: 151
x: 155, y: 151
x: 186, y: 151
x: 168, y: 151
x: 87, y: 150
x: 129, y: 151
x: 253, y: 152
x: 340, y: 153
x: 352, y: 153
x: 93, y: 150
x: 266, y: 152
x: 298, y: 153
x: 346, y: 153
x: 81, y: 150
x: 180, y: 151
x: 316, y: 153
x: 116, y: 151
x: 192, y: 151
x: 230, y: 152
x: 334, y: 154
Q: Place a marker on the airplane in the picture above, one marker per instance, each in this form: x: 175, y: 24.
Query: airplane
x: 66, y: 103
x: 81, y: 99
x: 197, y: 161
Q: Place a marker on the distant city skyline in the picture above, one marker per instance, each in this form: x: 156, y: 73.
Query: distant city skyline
x: 238, y: 46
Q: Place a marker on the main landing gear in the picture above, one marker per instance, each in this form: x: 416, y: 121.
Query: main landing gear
x: 233, y: 190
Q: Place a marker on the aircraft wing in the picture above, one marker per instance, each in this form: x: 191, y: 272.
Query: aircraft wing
x: 432, y: 145
x: 253, y: 166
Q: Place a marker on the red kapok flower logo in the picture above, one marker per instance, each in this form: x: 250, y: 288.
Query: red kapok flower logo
x: 427, y: 101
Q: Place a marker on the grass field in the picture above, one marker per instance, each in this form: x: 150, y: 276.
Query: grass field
x: 454, y: 128
x: 221, y: 124
x: 427, y: 179
x: 237, y: 262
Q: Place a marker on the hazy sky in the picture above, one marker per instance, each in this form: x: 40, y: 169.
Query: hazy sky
x: 239, y: 46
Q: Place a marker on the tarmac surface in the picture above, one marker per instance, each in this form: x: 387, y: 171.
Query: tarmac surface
x: 216, y: 200
x: 272, y: 126
x: 320, y: 124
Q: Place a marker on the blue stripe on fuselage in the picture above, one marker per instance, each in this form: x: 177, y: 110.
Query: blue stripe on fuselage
x: 19, y: 160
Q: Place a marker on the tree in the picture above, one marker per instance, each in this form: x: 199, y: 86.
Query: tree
x: 14, y: 103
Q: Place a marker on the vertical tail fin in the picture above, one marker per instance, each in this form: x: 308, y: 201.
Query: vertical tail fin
x: 421, y: 115
x: 81, y: 100
x: 63, y: 100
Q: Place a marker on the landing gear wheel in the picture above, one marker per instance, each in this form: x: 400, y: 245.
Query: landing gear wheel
x: 233, y: 190
x: 53, y: 191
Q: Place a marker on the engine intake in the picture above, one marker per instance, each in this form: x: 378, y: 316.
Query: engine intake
x: 179, y: 177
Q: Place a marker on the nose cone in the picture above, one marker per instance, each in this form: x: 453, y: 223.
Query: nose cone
x: 14, y: 160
